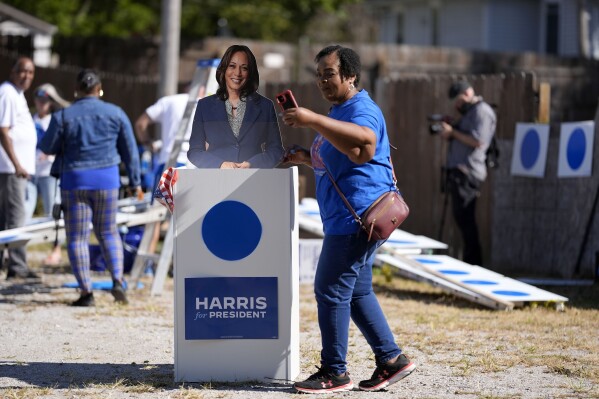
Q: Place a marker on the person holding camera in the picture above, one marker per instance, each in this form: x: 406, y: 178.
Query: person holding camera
x: 352, y: 146
x: 91, y: 138
x: 236, y: 127
x: 469, y: 137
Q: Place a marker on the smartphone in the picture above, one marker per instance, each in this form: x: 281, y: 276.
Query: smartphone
x: 286, y: 100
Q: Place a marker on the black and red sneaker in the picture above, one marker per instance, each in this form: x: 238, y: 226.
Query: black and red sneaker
x: 325, y: 381
x: 387, y: 374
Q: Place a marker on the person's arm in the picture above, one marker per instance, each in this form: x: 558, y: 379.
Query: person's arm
x: 298, y: 155
x: 6, y: 142
x: 355, y: 141
x: 141, y: 130
x: 449, y: 132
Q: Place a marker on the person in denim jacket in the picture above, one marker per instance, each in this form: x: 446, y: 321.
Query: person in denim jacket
x: 91, y: 138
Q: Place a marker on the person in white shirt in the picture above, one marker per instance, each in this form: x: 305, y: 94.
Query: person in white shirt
x: 168, y: 112
x: 18, y: 140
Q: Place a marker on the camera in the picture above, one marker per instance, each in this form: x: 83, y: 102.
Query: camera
x: 435, y: 126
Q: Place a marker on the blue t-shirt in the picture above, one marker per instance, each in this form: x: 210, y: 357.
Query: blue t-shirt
x: 361, y: 184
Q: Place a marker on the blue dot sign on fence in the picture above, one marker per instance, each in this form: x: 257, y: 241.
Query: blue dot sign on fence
x: 576, y: 149
x: 530, y: 150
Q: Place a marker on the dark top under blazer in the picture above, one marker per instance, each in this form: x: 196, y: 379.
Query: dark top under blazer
x: 259, y: 140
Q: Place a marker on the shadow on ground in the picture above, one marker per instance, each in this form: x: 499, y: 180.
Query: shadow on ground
x: 86, y: 375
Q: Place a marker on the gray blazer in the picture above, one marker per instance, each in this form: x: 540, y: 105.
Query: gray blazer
x: 259, y: 140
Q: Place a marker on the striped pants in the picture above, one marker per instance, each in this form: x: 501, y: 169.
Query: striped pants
x: 99, y: 207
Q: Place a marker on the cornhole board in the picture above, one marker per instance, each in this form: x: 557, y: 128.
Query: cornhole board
x: 486, y: 287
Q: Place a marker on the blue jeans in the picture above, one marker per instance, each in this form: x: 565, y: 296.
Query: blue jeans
x: 343, y: 289
x: 45, y: 187
x: 49, y: 190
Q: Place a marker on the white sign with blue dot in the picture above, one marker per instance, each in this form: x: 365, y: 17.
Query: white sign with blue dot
x: 576, y: 149
x: 530, y: 150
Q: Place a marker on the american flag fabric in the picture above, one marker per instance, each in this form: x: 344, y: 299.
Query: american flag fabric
x: 164, y: 189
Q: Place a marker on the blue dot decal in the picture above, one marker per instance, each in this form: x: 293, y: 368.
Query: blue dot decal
x: 511, y: 293
x: 231, y: 230
x: 429, y: 261
x: 531, y: 147
x: 576, y: 148
x: 479, y: 282
x: 7, y: 238
x: 403, y: 242
x: 453, y: 272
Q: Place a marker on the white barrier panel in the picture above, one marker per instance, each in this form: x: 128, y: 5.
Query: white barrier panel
x: 530, y: 150
x: 236, y: 275
x: 309, y: 252
x: 576, y: 149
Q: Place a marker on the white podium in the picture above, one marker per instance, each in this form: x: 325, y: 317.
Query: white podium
x: 236, y: 275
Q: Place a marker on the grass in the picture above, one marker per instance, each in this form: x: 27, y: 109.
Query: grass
x: 425, y: 320
x: 563, y: 342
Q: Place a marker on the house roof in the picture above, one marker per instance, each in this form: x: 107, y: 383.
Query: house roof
x: 8, y: 13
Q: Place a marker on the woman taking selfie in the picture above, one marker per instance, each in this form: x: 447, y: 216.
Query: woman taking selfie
x: 352, y: 144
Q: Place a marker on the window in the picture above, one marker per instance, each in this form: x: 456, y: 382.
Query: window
x: 552, y: 29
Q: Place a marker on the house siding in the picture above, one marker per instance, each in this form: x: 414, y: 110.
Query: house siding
x: 488, y: 25
x: 419, y: 25
x: 568, y: 36
x: 461, y: 24
x: 513, y: 25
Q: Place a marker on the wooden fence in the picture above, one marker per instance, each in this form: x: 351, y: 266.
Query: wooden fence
x: 548, y: 249
x: 419, y: 157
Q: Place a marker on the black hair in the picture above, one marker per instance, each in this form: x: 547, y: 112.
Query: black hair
x: 253, y: 79
x: 87, y: 80
x: 349, y: 61
x: 458, y: 88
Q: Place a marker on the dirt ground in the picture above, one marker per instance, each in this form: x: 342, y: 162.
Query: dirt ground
x: 51, y: 350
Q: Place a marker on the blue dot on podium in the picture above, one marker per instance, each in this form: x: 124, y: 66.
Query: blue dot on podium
x: 530, y: 149
x: 231, y: 230
x: 576, y: 148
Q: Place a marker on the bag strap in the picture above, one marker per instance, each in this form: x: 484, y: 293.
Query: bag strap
x: 347, y: 204
x: 357, y: 218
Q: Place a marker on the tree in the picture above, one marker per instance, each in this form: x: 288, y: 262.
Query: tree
x: 280, y: 20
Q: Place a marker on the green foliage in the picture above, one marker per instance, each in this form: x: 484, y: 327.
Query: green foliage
x: 279, y: 20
